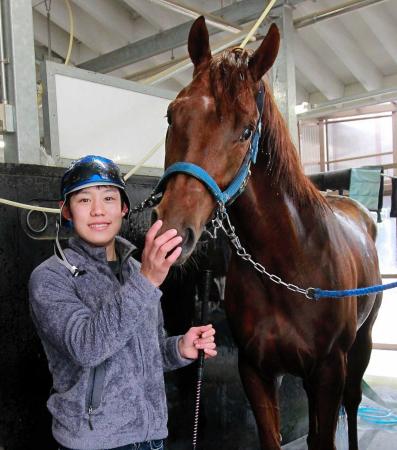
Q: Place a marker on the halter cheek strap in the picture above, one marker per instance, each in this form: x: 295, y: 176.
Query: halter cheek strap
x: 237, y: 186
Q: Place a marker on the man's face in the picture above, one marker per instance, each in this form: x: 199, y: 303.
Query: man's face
x: 97, y: 213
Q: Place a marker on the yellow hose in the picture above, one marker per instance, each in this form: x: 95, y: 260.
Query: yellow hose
x: 144, y: 159
x: 71, y: 32
x: 29, y: 207
x: 258, y: 22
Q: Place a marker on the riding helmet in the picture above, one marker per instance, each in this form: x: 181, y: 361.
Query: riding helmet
x: 93, y: 170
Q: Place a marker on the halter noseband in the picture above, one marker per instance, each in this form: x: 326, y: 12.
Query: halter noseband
x: 237, y: 185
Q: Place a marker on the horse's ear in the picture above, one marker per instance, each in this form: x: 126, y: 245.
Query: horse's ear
x: 264, y: 56
x: 199, y: 42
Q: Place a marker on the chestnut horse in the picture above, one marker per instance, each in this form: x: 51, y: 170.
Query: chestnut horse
x: 288, y: 227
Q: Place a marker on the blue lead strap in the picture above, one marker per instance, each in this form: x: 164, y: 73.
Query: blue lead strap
x: 320, y: 293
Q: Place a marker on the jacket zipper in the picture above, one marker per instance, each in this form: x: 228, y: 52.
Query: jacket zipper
x: 142, y: 358
x: 90, y: 408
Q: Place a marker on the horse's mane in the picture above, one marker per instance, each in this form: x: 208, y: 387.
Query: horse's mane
x: 231, y: 83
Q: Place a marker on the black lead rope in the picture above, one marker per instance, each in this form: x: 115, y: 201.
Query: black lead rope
x: 205, y: 296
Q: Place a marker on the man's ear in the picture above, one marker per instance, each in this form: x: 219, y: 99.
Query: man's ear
x: 124, y: 211
x: 65, y: 210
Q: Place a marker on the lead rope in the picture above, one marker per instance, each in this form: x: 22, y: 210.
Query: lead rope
x: 207, y: 278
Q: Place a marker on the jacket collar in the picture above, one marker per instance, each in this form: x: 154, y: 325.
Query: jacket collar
x: 123, y: 247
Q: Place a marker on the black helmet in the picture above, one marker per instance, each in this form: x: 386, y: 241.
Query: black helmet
x: 93, y: 170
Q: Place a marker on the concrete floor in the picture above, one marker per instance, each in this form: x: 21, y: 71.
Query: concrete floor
x: 381, y: 374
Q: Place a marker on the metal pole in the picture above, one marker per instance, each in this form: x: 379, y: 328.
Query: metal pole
x: 394, y: 139
x: 283, y: 80
x: 48, y: 9
x: 49, y: 34
x: 4, y: 98
x: 22, y: 140
x: 333, y: 12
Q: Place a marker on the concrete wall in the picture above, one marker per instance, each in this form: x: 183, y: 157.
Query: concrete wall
x: 226, y: 420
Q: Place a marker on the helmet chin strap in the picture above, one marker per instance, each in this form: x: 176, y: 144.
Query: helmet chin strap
x: 75, y: 271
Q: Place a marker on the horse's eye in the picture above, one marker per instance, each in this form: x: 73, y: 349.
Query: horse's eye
x: 246, y: 134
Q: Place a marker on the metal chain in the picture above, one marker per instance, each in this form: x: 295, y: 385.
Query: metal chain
x: 222, y: 217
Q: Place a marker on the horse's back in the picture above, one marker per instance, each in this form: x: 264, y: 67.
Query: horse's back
x: 353, y: 210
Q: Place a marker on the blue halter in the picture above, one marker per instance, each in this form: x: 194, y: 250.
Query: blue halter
x: 239, y: 182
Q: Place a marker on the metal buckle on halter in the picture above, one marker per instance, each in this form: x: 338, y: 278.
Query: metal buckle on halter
x: 217, y: 221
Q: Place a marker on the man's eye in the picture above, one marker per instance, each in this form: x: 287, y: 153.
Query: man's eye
x: 84, y: 200
x: 109, y: 199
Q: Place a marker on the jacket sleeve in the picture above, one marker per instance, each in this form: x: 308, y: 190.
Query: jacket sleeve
x: 87, y: 337
x: 172, y: 359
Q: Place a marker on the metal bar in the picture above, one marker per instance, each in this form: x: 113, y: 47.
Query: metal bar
x: 360, y: 157
x: 379, y: 346
x: 239, y: 13
x: 49, y: 34
x: 3, y: 80
x: 282, y: 75
x: 350, y: 102
x: 323, y: 144
x: 389, y: 166
x: 333, y: 12
x: 187, y: 62
x: 394, y: 133
x: 211, y: 19
x: 354, y: 119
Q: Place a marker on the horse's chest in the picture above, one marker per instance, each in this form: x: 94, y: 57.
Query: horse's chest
x: 274, y: 339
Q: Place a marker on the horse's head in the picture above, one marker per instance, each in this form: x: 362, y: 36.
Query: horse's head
x: 211, y: 124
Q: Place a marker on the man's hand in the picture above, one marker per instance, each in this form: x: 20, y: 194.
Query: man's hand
x: 198, y: 338
x: 160, y: 253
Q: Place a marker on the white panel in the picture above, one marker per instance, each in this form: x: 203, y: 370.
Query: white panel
x: 109, y: 121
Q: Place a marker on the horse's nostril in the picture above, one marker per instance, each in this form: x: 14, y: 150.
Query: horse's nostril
x: 154, y: 216
x: 188, y: 239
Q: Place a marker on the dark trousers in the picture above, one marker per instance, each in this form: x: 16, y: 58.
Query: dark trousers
x: 150, y: 445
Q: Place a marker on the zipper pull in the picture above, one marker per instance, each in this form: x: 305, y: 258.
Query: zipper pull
x: 89, y: 418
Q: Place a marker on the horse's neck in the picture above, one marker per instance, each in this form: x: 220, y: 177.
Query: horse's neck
x: 268, y: 215
x: 263, y: 205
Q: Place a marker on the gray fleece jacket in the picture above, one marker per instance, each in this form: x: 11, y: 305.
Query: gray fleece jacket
x: 106, y: 348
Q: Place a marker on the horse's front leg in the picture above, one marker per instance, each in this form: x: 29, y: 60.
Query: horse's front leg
x: 326, y: 388
x: 312, y: 412
x: 262, y: 394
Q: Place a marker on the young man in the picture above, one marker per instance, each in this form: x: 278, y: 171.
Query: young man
x: 98, y: 314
